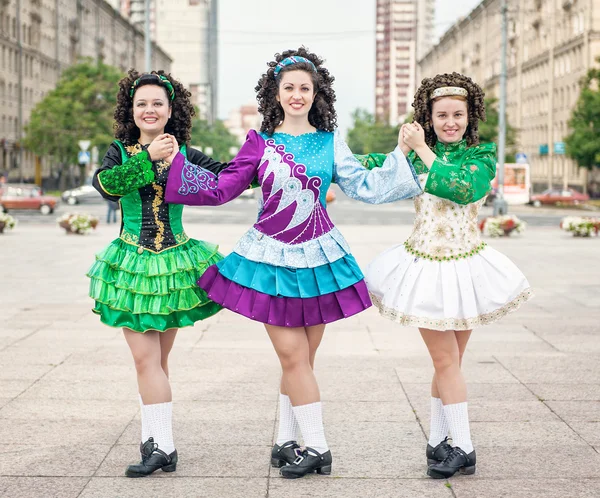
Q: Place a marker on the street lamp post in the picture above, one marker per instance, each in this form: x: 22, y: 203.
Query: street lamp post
x: 500, y: 204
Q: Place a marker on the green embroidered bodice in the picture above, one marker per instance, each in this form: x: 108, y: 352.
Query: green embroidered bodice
x: 148, y: 221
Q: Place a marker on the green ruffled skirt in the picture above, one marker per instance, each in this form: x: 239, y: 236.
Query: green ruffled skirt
x: 152, y: 291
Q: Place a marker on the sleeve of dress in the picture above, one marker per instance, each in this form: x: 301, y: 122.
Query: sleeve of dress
x: 394, y: 180
x: 467, y: 181
x: 193, y: 185
x: 114, y: 180
x: 376, y: 160
x: 200, y: 159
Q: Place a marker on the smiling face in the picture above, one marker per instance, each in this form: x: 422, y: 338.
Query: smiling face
x: 151, y: 110
x: 449, y: 118
x: 296, y: 93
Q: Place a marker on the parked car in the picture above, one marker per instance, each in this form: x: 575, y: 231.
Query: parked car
x: 26, y: 196
x: 558, y: 196
x: 85, y: 193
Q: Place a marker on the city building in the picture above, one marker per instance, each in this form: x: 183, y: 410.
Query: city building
x: 551, y: 45
x: 405, y: 32
x: 242, y: 120
x: 187, y: 31
x: 38, y: 39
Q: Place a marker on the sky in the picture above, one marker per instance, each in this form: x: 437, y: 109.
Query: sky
x: 340, y: 31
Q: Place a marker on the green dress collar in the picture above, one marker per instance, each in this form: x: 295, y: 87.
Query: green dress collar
x: 444, y: 150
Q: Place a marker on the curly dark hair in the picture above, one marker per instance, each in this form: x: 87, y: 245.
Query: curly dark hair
x: 475, y: 106
x: 322, y: 114
x: 180, y: 122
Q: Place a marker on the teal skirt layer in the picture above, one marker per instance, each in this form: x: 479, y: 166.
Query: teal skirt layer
x: 282, y: 281
x: 152, y: 291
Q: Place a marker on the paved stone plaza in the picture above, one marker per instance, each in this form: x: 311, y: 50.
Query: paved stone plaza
x: 69, y: 415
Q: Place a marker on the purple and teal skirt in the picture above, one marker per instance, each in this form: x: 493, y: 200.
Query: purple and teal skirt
x: 288, y: 285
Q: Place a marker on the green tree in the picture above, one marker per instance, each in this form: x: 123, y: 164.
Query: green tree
x: 369, y: 135
x: 217, y: 137
x: 79, y: 108
x: 488, y: 130
x: 583, y: 143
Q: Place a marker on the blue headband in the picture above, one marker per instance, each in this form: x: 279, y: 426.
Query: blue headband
x: 288, y: 61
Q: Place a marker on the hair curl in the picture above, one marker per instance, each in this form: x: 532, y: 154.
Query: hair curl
x: 322, y: 114
x: 475, y: 105
x: 179, y: 124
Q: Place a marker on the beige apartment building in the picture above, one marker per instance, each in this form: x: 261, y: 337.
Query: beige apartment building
x: 404, y: 33
x: 38, y: 39
x: 551, y: 45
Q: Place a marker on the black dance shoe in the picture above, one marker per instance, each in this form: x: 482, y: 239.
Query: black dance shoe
x: 285, y: 454
x: 439, y: 453
x: 456, y: 461
x: 309, y: 461
x: 153, y: 459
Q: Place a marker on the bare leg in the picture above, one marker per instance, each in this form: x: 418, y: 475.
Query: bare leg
x: 291, y: 346
x: 462, y: 338
x: 153, y: 383
x: 315, y: 335
x: 167, y: 338
x: 444, y: 351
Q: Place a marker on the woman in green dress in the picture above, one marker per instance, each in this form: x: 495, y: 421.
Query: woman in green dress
x: 145, y: 281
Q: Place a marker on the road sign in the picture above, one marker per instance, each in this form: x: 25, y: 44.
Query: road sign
x: 559, y: 148
x: 84, y: 144
x: 544, y: 150
x: 83, y: 157
x: 521, y: 158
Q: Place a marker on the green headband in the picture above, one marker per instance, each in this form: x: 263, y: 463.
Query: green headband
x: 161, y: 79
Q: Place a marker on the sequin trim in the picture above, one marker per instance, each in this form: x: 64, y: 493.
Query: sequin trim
x: 181, y: 238
x: 451, y: 323
x: 156, y: 203
x: 130, y: 238
x: 256, y: 246
x: 461, y: 255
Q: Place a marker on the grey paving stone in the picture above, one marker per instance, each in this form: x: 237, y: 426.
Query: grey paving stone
x: 206, y: 432
x: 33, y: 487
x: 577, y: 461
x: 97, y: 389
x: 580, y: 411
x: 12, y: 388
x: 20, y: 371
x: 477, y: 392
x: 566, y: 392
x: 337, y: 390
x: 350, y: 412
x: 171, y: 486
x: 227, y: 410
x: 589, y: 431
x: 59, y: 432
x: 198, y: 461
x: 326, y: 487
x: 53, y: 461
x: 525, y: 434
x: 560, y: 368
x: 405, y: 435
x: 464, y: 487
x: 75, y: 409
x: 212, y: 390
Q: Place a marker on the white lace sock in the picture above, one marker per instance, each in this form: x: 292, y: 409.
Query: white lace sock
x: 145, y: 427
x: 288, y: 425
x: 159, y: 417
x: 458, y: 421
x: 438, y: 428
x: 310, y: 420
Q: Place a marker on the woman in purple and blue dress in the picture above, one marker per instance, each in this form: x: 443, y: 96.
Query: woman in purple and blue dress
x: 292, y: 270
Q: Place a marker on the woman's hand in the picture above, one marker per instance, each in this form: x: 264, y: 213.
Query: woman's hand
x: 161, y: 147
x: 401, y: 143
x: 175, y: 150
x: 414, y: 136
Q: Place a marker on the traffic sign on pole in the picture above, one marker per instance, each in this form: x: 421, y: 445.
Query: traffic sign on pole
x: 84, y: 144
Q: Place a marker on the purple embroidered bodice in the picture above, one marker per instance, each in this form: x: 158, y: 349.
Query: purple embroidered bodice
x: 294, y: 173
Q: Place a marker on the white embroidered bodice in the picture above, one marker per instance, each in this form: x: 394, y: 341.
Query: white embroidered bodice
x: 443, y: 229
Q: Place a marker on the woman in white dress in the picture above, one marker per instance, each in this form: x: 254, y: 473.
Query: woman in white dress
x: 444, y: 279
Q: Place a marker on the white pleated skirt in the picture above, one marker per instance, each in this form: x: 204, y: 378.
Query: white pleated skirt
x: 450, y: 295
